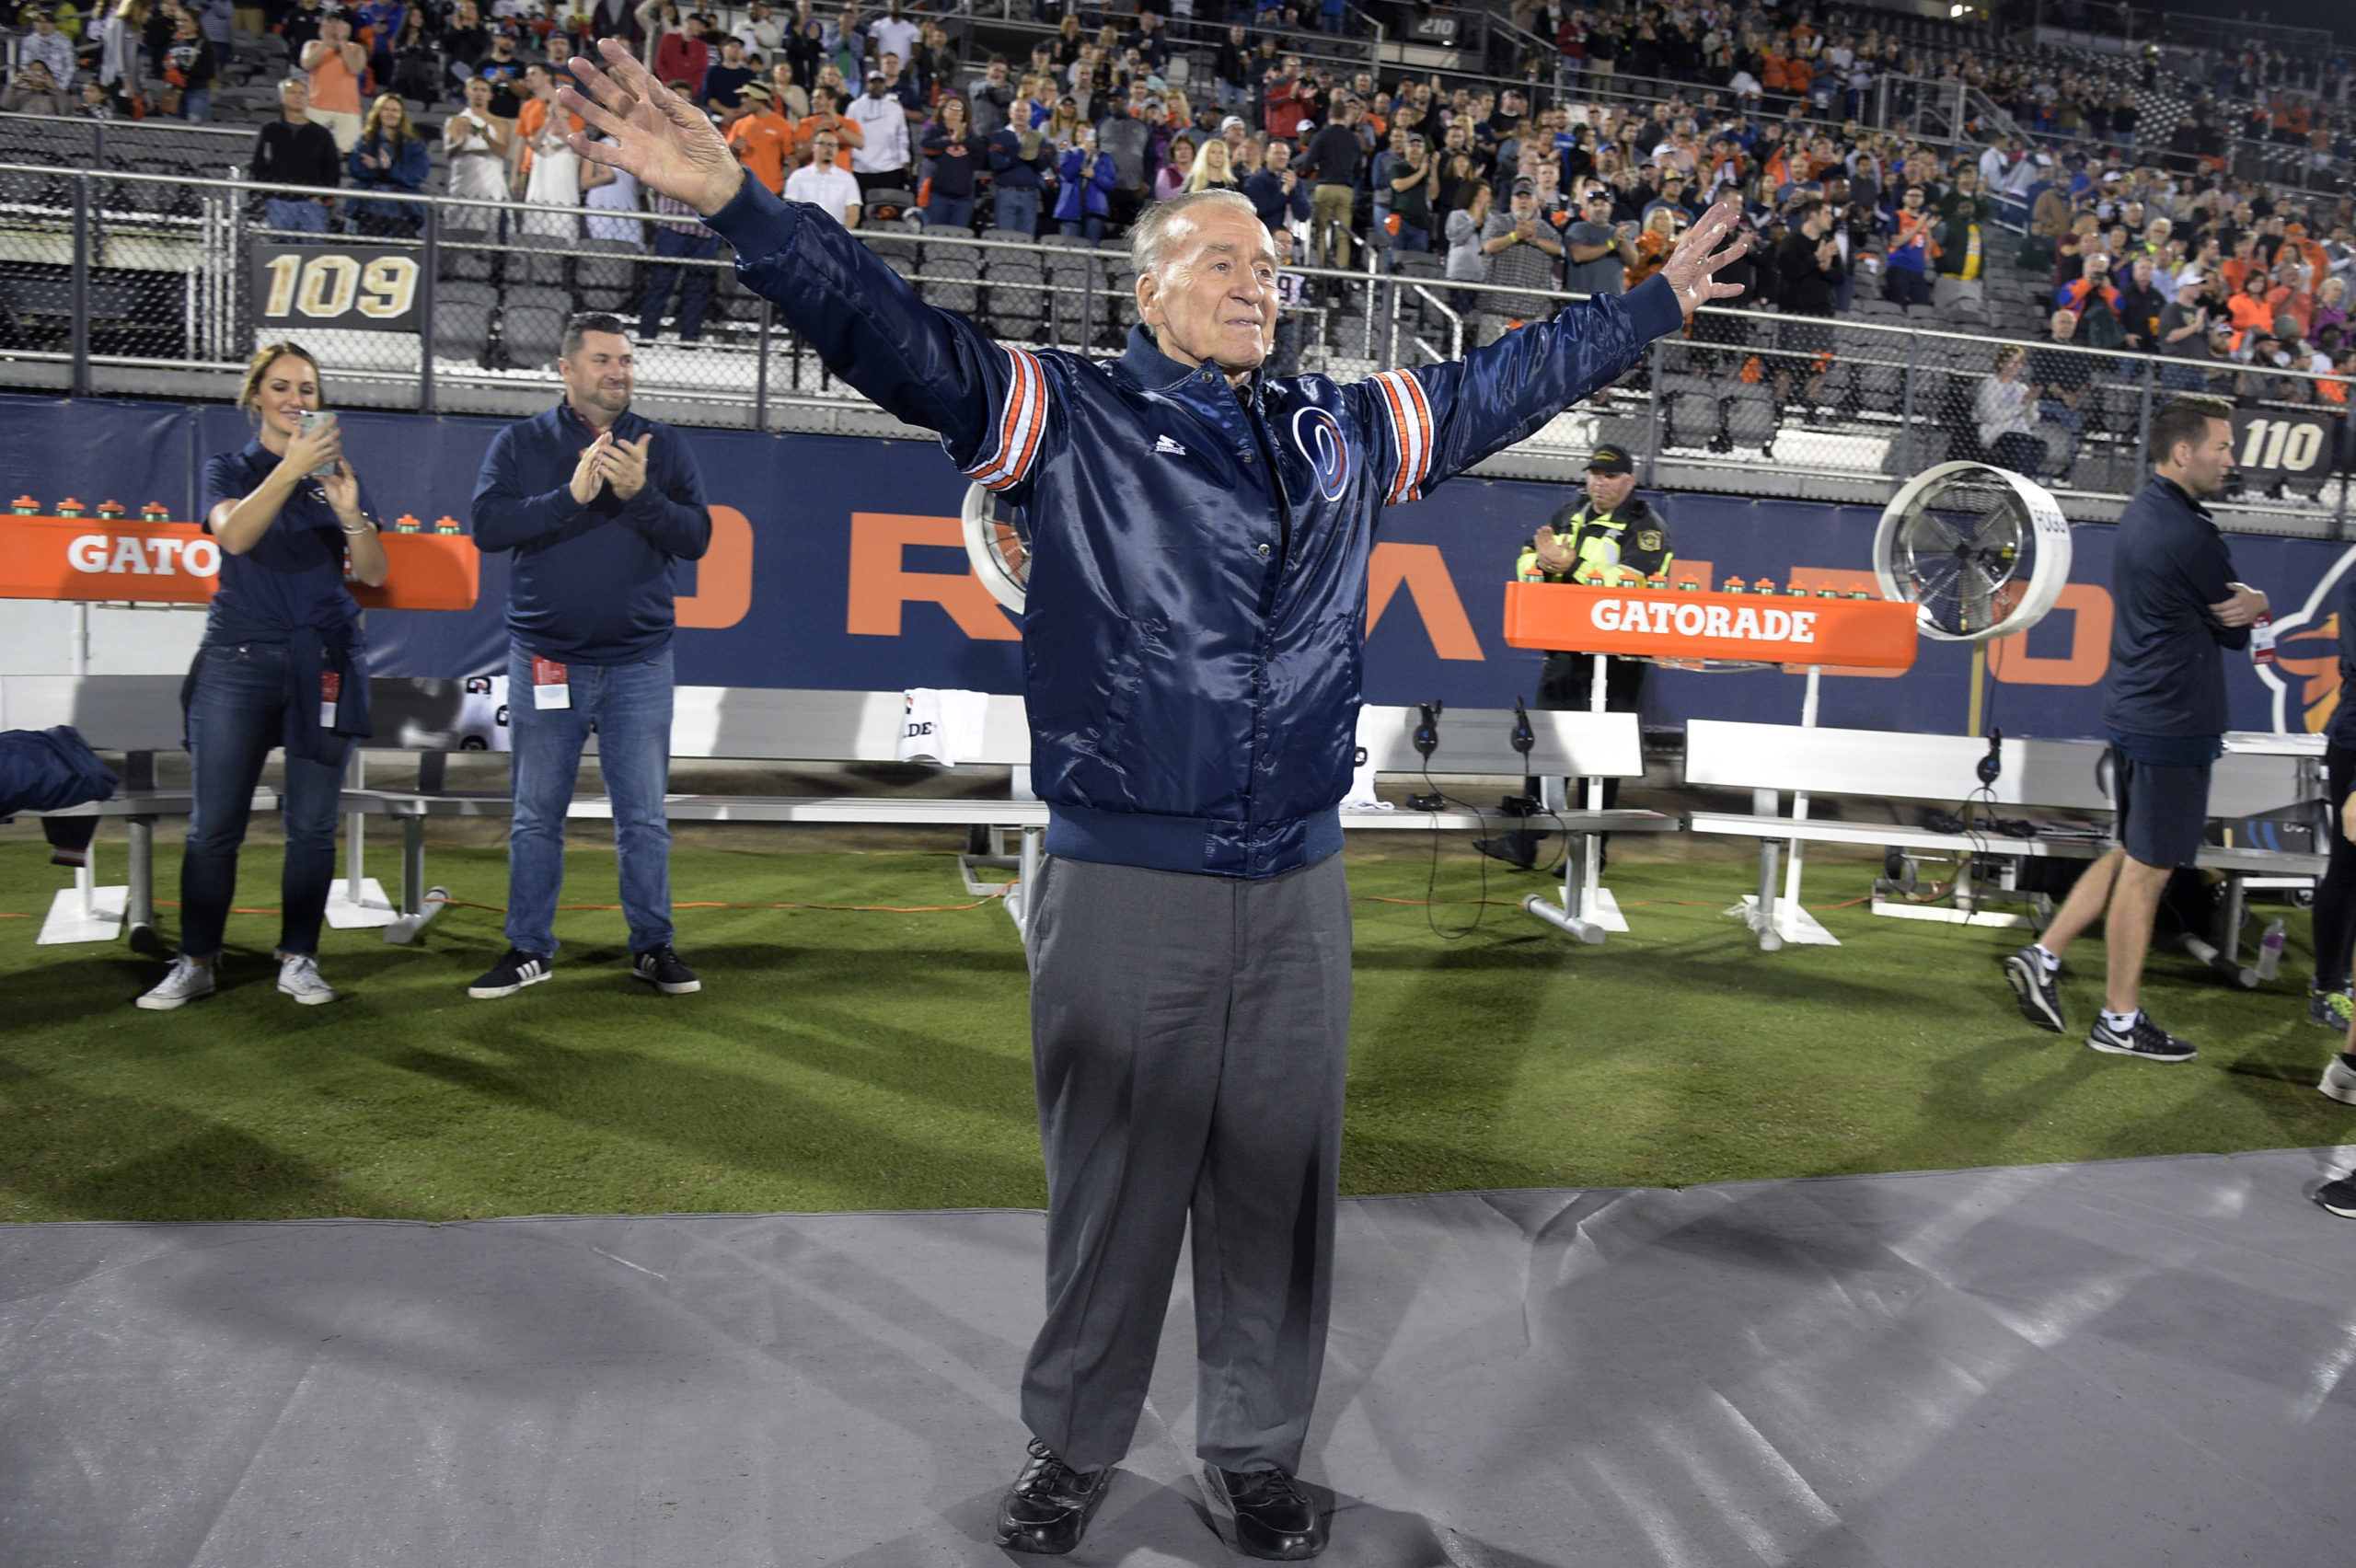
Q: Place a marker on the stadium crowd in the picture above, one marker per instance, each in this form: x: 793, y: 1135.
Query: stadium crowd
x: 1630, y: 121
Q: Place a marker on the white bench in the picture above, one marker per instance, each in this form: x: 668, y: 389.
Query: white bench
x: 2253, y: 779
x: 839, y: 727
x: 140, y: 715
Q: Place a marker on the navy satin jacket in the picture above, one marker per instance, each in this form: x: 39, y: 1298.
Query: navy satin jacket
x: 1196, y: 607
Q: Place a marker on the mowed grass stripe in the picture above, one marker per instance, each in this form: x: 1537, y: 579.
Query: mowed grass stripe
x: 839, y: 1060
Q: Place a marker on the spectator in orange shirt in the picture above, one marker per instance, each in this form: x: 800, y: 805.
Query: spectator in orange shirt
x: 1657, y: 239
x: 2333, y: 389
x: 2295, y: 238
x: 762, y: 139
x: 533, y: 118
x: 2249, y: 308
x: 2291, y: 294
x: 2235, y: 270
x: 827, y: 115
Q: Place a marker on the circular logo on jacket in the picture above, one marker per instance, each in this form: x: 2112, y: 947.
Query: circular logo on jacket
x: 1649, y: 540
x: 1318, y: 436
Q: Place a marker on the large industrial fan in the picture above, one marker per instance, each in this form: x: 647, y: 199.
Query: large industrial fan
x: 1983, y: 552
x: 998, y: 541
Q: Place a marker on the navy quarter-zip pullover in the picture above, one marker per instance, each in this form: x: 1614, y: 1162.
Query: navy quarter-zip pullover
x: 592, y: 584
x: 2168, y: 673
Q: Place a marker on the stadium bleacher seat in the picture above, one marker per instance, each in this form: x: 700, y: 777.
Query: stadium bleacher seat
x: 463, y: 313
x: 531, y: 325
x: 1014, y: 305
x: 606, y: 279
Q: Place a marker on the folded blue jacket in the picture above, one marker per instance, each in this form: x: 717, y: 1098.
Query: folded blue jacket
x: 1196, y: 608
x: 48, y: 770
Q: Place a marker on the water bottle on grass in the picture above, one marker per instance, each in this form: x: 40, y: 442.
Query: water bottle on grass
x: 2270, y: 950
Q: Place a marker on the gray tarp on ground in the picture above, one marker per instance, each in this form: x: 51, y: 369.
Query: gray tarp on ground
x: 2138, y: 1361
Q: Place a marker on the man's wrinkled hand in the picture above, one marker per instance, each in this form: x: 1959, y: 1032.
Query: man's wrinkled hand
x: 672, y: 147
x: 1692, y: 266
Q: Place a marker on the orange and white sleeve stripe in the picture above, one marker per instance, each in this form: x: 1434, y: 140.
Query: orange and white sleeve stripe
x: 1021, y: 426
x: 1411, y: 431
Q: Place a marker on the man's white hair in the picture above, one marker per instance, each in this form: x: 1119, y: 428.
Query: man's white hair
x: 1150, y: 236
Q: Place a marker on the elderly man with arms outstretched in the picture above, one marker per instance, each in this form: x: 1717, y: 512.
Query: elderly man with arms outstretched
x: 1192, y: 651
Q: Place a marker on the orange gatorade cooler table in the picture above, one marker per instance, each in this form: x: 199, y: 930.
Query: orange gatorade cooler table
x: 1686, y: 623
x: 1739, y: 625
x: 151, y: 559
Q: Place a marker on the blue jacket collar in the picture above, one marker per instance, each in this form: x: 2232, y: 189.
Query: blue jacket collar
x: 569, y: 419
x: 2176, y: 491
x: 1144, y: 363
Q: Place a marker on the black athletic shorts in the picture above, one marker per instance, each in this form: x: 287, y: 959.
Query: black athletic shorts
x: 2163, y: 811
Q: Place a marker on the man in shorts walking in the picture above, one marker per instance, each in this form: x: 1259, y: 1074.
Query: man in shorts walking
x: 2178, y: 610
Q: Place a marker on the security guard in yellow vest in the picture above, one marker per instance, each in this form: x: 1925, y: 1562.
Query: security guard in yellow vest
x: 1608, y: 538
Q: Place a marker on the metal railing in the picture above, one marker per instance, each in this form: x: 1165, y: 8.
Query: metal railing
x: 2136, y: 26
x: 125, y: 284
x: 119, y: 144
x: 1360, y: 49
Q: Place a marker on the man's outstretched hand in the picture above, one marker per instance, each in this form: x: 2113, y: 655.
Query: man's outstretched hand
x: 669, y: 144
x: 1698, y: 256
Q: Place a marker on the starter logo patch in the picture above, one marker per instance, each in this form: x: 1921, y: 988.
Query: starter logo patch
x: 1318, y: 436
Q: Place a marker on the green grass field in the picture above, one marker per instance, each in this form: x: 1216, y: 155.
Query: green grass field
x: 879, y: 1060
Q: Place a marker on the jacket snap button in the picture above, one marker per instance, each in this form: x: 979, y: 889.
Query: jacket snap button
x: 1264, y: 550
x: 1247, y: 456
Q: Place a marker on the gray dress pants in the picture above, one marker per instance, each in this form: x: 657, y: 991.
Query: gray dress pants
x: 1188, y: 1036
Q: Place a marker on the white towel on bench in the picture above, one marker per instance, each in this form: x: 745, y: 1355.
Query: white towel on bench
x: 942, y: 724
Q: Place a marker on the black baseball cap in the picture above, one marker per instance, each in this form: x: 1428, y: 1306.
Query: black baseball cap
x: 1610, y: 460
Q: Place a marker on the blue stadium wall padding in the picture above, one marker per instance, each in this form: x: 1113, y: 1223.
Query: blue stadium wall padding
x: 805, y: 499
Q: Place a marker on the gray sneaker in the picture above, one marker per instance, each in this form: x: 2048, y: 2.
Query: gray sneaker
x: 182, y: 984
x: 298, y: 976
x: 2339, y: 1081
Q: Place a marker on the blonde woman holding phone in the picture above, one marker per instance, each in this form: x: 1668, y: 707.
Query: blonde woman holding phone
x: 283, y: 663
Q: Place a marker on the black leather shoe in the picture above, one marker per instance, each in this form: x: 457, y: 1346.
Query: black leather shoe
x: 1047, y: 1508
x: 1274, y: 1519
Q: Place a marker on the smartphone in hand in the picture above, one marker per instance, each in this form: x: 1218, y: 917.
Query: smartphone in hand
x: 315, y: 421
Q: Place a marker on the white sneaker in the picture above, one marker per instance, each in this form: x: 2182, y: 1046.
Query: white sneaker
x: 184, y: 982
x: 298, y: 976
x: 2339, y: 1081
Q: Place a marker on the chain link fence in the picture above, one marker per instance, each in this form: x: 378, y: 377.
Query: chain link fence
x: 130, y: 280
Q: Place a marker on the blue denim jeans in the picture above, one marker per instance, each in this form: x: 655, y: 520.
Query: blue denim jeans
x: 949, y: 211
x: 1410, y: 237
x: 629, y: 706
x: 297, y: 212
x: 236, y: 712
x: 196, y: 106
x: 1018, y: 210
x: 1091, y: 228
x: 695, y: 294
